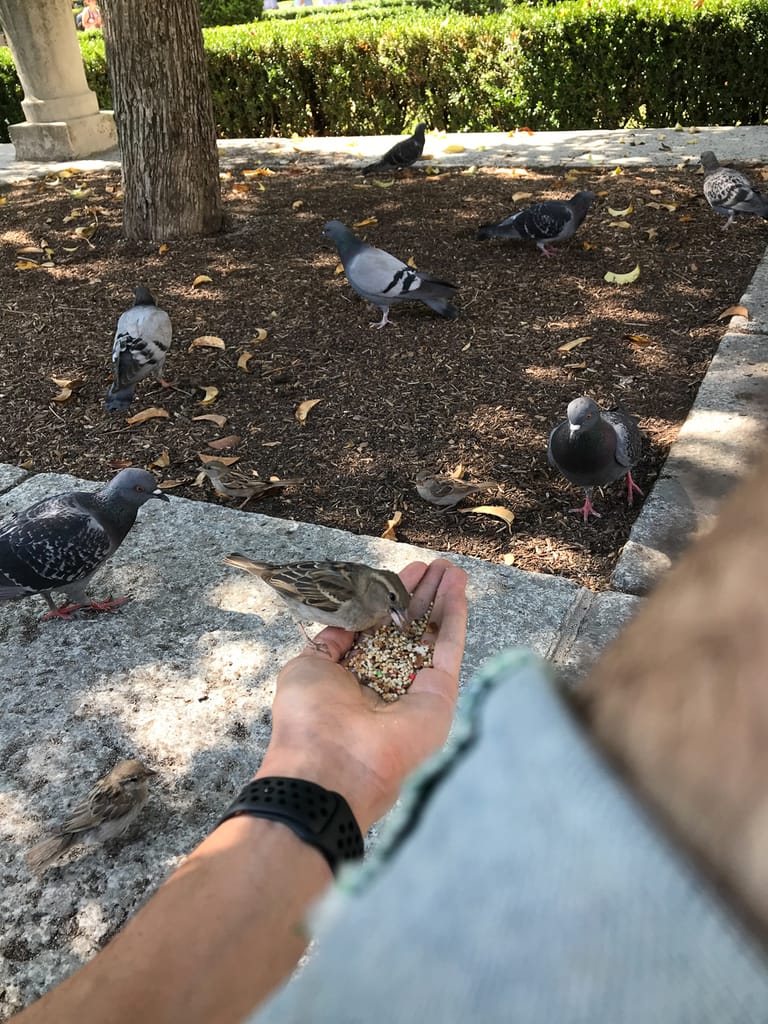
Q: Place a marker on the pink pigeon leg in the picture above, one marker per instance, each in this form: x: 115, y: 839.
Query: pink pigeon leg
x: 587, y: 509
x: 547, y: 250
x: 63, y: 611
x: 107, y: 606
x: 631, y: 488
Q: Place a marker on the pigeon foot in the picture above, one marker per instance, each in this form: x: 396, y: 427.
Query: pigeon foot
x: 587, y: 510
x: 384, y: 320
x: 547, y: 250
x: 631, y: 488
x: 107, y: 606
x: 64, y: 611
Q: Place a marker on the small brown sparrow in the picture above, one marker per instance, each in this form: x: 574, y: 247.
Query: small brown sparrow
x: 447, y: 491
x: 108, y: 810
x: 231, y: 484
x: 346, y: 594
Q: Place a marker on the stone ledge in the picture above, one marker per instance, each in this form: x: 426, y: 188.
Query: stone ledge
x: 64, y: 140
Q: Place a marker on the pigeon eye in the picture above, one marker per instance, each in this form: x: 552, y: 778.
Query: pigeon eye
x: 138, y: 488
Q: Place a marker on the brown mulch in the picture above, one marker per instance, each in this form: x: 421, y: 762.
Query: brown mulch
x: 483, y: 391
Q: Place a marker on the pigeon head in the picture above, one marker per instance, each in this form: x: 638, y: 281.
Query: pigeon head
x: 419, y: 132
x: 583, y: 200
x: 143, y: 296
x: 132, y: 487
x: 336, y: 231
x: 583, y: 414
x: 709, y: 161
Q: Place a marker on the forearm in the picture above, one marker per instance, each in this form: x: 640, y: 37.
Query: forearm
x: 681, y: 698
x: 223, y: 931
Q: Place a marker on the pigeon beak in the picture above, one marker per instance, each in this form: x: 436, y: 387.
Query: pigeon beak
x: 157, y: 493
x: 574, y: 428
x: 400, y: 618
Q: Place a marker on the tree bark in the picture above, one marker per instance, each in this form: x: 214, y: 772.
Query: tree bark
x: 164, y: 118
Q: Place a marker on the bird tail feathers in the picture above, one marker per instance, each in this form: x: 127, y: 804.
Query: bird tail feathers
x: 117, y: 400
x: 44, y: 853
x: 442, y: 306
x: 241, y: 562
x: 503, y: 230
x: 373, y: 167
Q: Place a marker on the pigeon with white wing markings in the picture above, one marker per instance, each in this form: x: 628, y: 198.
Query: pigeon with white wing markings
x: 593, y: 447
x: 729, y: 192
x: 554, y: 220
x: 59, y: 543
x: 402, y: 154
x: 142, y: 340
x: 383, y: 279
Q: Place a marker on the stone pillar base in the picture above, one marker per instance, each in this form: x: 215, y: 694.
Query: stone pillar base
x: 64, y: 140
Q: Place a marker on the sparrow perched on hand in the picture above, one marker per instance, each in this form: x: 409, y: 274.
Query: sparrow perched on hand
x: 346, y: 594
x: 107, y: 811
x: 447, y: 491
x: 231, y: 484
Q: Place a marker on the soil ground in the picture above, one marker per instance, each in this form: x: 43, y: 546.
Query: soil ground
x: 483, y: 391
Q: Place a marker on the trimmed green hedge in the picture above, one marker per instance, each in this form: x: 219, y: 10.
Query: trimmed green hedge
x: 229, y: 12
x: 577, y: 64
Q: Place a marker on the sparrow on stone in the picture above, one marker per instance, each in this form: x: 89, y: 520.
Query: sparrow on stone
x: 232, y: 484
x: 108, y: 810
x: 447, y: 491
x: 349, y: 595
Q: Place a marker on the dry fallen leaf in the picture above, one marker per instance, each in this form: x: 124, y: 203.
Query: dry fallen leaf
x: 27, y: 265
x: 201, y: 279
x: 366, y: 223
x: 384, y: 184
x: 168, y: 485
x: 574, y: 366
x: 225, y: 460
x: 588, y: 245
x: 619, y: 224
x: 207, y: 341
x: 212, y: 417
x: 302, y: 410
x: 260, y: 335
x: 297, y: 204
x: 30, y: 250
x: 734, y: 311
x: 68, y: 385
x: 338, y: 269
x: 163, y: 248
x: 638, y: 340
x: 620, y: 213
x: 613, y: 278
x: 653, y: 234
x: 225, y: 442
x: 492, y: 510
x: 211, y: 394
x: 257, y: 173
x: 508, y: 559
x: 670, y: 207
x: 685, y: 219
x: 412, y: 263
x: 389, y: 533
x: 242, y: 362
x: 518, y: 197
x: 568, y: 346
x: 155, y: 413
x: 454, y: 148
x: 161, y: 462
x: 458, y: 472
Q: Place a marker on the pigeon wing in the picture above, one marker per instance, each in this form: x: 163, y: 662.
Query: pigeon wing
x: 629, y: 441
x: 379, y: 276
x: 142, y: 340
x: 545, y: 220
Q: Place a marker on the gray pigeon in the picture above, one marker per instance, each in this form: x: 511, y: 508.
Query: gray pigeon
x: 142, y: 340
x: 592, y: 448
x: 729, y: 192
x: 384, y: 279
x: 59, y: 543
x: 402, y: 154
x: 555, y: 220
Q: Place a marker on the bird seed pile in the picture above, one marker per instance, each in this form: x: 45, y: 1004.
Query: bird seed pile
x: 387, y: 660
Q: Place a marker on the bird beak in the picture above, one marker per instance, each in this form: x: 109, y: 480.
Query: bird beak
x: 574, y: 428
x: 157, y: 493
x: 149, y: 771
x: 400, y: 619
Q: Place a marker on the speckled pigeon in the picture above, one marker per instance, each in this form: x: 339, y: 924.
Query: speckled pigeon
x: 402, y: 154
x: 730, y: 192
x: 59, y: 543
x: 384, y: 279
x: 555, y: 220
x: 592, y: 448
x: 142, y: 340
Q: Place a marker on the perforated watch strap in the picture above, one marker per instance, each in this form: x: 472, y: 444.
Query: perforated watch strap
x: 318, y: 816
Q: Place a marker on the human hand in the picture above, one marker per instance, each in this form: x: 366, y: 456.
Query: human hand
x: 329, y: 729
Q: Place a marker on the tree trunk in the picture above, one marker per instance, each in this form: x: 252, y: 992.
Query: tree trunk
x: 164, y: 117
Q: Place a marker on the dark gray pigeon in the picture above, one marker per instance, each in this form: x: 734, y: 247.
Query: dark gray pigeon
x: 555, y: 220
x: 730, y: 192
x: 402, y: 154
x: 592, y: 448
x: 384, y: 279
x: 142, y: 340
x: 59, y: 543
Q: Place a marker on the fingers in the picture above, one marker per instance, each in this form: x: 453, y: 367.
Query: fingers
x: 412, y: 574
x: 427, y: 585
x: 333, y: 642
x: 450, y: 616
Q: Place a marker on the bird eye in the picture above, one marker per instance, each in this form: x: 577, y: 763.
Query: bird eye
x: 138, y: 487
x: 392, y: 597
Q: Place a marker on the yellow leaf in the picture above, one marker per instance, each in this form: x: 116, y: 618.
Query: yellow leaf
x: 455, y: 148
x: 297, y: 204
x: 27, y: 265
x: 458, y: 472
x: 85, y: 230
x: 685, y: 219
x: 338, y: 269
x: 212, y: 417
x: 68, y: 388
x: 161, y: 462
x: 638, y: 340
x: 613, y: 278
x: 734, y: 311
x: 589, y: 245
x: 412, y: 262
x: 508, y: 559
x: 260, y: 335
x: 492, y: 510
x: 384, y: 184
x: 226, y: 460
x: 470, y: 170
x: 257, y: 173
x: 201, y: 279
x: 655, y: 191
x: 389, y: 533
x: 68, y: 249
x: 616, y: 171
x: 302, y: 410
x: 78, y: 192
x: 3, y: 200
x: 154, y: 413
x: 621, y: 213
x: 225, y: 175
x: 619, y: 224
x: 211, y: 394
x: 366, y: 223
x: 207, y: 341
x: 571, y: 175
x: 519, y: 196
x: 671, y: 207
x: 163, y: 248
x: 242, y: 362
x: 241, y: 186
x: 574, y: 343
